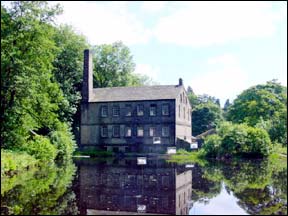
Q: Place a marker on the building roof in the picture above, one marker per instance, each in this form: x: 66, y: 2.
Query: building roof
x: 159, y: 92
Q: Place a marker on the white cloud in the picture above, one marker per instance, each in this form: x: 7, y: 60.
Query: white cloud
x: 104, y: 22
x: 148, y: 70
x: 224, y: 81
x: 208, y: 23
x: 153, y: 6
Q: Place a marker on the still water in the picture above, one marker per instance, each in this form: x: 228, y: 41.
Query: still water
x: 121, y: 186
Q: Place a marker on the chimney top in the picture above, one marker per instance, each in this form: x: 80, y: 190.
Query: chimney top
x: 180, y: 82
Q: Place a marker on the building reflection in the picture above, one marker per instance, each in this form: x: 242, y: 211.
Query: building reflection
x: 123, y: 187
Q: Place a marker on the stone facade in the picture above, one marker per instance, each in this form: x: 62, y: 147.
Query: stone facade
x: 133, y: 119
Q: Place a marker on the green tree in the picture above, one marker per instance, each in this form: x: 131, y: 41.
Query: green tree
x: 68, y: 68
x: 29, y: 97
x: 260, y: 103
x: 114, y: 66
x: 205, y: 116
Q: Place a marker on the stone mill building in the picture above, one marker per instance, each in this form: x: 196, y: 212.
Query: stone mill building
x: 146, y: 119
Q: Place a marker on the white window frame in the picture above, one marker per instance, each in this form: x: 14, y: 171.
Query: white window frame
x: 139, y: 129
x: 163, y: 110
x: 102, y: 111
x: 163, y: 131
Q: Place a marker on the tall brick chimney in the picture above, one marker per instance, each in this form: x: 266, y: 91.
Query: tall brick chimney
x: 180, y: 82
x: 87, y: 87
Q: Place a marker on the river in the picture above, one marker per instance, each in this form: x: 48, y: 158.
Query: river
x: 107, y: 186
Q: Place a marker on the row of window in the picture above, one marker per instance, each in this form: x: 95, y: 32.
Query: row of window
x: 128, y: 131
x: 184, y: 113
x: 140, y: 110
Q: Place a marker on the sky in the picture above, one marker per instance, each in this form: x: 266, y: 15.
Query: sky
x: 223, y: 204
x: 217, y: 48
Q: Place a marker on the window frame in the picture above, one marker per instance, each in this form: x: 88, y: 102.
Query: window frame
x: 139, y: 110
x: 114, y: 131
x: 128, y: 109
x: 102, y: 131
x: 168, y: 109
x: 163, y: 131
x: 138, y: 128
x: 102, y: 111
x: 154, y: 131
x: 126, y: 130
x: 115, y: 108
x: 155, y: 109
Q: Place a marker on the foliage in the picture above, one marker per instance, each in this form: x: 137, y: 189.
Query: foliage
x: 182, y: 156
x: 212, y: 145
x: 114, y: 66
x: 94, y: 153
x: 263, y: 105
x: 12, y: 162
x: 38, y: 97
x: 206, y: 113
x: 29, y: 98
x: 64, y: 142
x: 42, y: 192
x: 205, y: 116
x: 68, y: 69
x: 238, y: 139
x: 41, y: 148
x: 260, y: 186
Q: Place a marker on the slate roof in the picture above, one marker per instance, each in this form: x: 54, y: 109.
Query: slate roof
x: 135, y: 93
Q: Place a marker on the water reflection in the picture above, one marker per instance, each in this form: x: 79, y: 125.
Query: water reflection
x: 245, y: 187
x: 123, y: 187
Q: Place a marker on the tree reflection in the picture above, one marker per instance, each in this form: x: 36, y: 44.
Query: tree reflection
x: 42, y: 191
x: 260, y: 186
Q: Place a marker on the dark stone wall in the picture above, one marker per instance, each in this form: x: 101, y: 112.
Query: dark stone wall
x: 91, y: 122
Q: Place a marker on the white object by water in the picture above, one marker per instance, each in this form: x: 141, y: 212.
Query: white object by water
x: 141, y: 160
x: 171, y: 150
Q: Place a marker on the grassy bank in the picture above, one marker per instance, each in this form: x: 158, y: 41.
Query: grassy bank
x: 15, y: 162
x: 182, y: 156
x: 93, y: 153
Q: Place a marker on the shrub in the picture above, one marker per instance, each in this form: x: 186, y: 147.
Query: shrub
x: 212, y: 145
x: 63, y: 141
x: 41, y: 148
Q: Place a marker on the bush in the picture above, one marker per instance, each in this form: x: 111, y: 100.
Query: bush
x: 238, y: 139
x: 41, y: 148
x: 64, y: 142
x: 212, y: 145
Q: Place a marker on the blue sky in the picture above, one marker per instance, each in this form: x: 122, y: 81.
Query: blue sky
x: 218, y: 48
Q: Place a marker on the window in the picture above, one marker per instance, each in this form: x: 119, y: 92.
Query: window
x: 140, y: 110
x: 184, y: 112
x: 116, y: 131
x: 188, y: 115
x: 104, y: 111
x: 165, y: 109
x: 116, y: 110
x: 180, y: 98
x: 140, y: 131
x: 156, y: 140
x: 179, y: 111
x: 152, y: 131
x: 128, y: 132
x: 153, y: 110
x: 104, y: 131
x: 128, y: 110
x: 165, y: 131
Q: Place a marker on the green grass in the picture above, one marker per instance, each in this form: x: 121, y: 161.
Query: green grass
x: 183, y: 157
x: 94, y: 153
x: 13, y: 162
